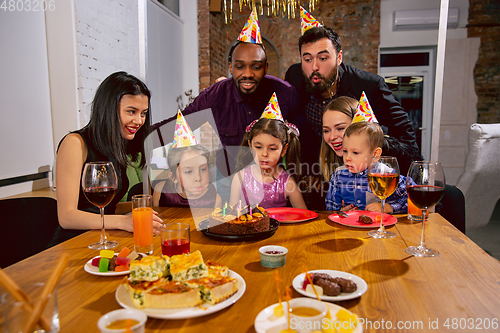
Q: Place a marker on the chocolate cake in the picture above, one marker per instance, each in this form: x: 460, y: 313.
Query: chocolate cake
x: 233, y: 223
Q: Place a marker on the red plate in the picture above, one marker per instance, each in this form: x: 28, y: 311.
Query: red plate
x: 352, y: 219
x: 291, y: 215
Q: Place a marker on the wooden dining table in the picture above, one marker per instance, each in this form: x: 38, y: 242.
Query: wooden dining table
x: 457, y: 291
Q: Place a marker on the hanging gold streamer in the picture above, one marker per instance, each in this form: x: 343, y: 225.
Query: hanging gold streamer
x: 275, y: 8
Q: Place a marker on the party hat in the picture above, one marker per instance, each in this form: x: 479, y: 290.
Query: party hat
x: 307, y: 21
x: 364, y: 111
x: 251, y: 30
x: 183, y: 136
x: 272, y: 110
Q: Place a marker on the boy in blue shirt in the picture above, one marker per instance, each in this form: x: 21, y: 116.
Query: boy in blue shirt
x: 349, y: 189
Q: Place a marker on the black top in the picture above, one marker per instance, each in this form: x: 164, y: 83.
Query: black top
x: 93, y: 155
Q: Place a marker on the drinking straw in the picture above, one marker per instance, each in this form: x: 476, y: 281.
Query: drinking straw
x: 128, y: 324
x: 47, y: 290
x: 308, y: 277
x: 19, y: 295
x: 288, y: 297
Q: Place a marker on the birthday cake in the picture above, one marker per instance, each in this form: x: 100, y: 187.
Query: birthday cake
x: 233, y: 221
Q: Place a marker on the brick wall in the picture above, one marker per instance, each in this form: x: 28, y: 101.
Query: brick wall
x: 107, y: 41
x: 349, y: 18
x: 484, y: 18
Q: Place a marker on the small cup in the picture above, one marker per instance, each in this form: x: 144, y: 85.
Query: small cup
x: 273, y: 256
x: 122, y: 315
x: 142, y: 216
x: 15, y: 317
x: 175, y: 239
x: 308, y: 316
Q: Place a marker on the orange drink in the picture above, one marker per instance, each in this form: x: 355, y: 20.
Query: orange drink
x: 142, y: 216
x: 414, y: 213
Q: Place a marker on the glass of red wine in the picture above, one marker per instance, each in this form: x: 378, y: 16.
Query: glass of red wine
x: 99, y: 184
x: 383, y: 178
x: 425, y: 186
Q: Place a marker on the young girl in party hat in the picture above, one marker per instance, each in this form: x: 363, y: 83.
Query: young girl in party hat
x: 266, y: 183
x: 189, y: 182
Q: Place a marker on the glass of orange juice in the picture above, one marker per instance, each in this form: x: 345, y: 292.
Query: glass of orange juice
x: 414, y: 213
x: 142, y: 216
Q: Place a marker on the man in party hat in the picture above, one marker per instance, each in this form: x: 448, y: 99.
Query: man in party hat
x: 235, y: 102
x: 322, y: 76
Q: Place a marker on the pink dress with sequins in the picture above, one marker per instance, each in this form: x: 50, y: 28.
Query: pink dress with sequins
x: 266, y: 195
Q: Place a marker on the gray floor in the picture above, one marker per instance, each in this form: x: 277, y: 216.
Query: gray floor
x: 488, y: 237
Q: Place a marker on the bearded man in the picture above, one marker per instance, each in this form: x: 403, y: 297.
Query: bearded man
x: 322, y: 76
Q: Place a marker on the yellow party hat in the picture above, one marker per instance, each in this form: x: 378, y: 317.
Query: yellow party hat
x: 251, y: 30
x: 183, y: 136
x: 272, y: 110
x: 307, y: 21
x: 364, y: 111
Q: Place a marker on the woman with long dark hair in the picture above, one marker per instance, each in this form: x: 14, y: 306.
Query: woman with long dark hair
x: 119, y: 123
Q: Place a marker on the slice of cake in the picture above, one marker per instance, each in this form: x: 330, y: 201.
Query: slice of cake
x: 187, y: 266
x: 149, y: 268
x: 216, y: 269
x: 215, y: 289
x: 163, y: 294
x: 239, y: 222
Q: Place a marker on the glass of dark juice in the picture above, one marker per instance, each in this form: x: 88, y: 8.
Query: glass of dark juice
x: 425, y: 186
x: 175, y: 239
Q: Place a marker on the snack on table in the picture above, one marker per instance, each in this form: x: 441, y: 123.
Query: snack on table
x: 230, y: 221
x: 333, y: 286
x: 162, y: 294
x: 186, y: 282
x: 365, y: 219
x: 187, y: 266
x: 149, y: 268
x: 215, y: 289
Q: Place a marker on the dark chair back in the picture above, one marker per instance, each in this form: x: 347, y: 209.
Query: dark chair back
x: 452, y: 207
x: 27, y: 225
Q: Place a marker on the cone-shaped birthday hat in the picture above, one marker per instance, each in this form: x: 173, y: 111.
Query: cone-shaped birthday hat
x: 183, y: 136
x: 272, y: 110
x: 364, y: 111
x: 307, y: 21
x: 251, y: 30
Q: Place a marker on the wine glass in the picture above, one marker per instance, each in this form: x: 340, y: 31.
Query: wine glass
x: 383, y: 178
x: 99, y: 183
x: 425, y: 186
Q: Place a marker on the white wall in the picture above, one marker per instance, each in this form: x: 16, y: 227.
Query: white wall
x: 189, y: 14
x: 26, y: 135
x: 107, y: 41
x: 389, y: 38
x: 164, y: 60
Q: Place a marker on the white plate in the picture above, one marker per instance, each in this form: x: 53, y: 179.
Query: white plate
x: 95, y: 270
x: 267, y: 322
x: 362, y: 286
x: 123, y: 298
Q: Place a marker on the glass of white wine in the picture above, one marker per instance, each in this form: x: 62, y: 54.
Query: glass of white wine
x: 383, y: 178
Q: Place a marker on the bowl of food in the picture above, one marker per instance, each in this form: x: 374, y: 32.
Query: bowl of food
x: 273, y: 256
x: 119, y: 320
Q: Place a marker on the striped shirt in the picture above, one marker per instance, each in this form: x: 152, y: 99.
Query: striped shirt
x: 353, y: 188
